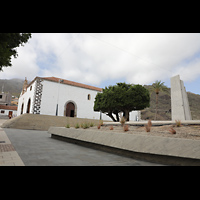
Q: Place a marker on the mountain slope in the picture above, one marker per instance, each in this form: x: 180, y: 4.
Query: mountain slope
x: 164, y: 106
x: 14, y: 86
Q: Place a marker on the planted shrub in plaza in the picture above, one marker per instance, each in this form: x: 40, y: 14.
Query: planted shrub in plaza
x: 77, y: 126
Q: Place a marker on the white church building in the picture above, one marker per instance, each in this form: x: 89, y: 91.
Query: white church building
x: 60, y: 97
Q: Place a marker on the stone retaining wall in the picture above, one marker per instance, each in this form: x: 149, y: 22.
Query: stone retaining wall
x: 171, y: 151
x: 43, y: 122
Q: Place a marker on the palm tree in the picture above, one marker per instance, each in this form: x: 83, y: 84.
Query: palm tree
x: 158, y: 86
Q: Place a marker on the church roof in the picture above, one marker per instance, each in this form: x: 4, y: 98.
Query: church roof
x: 55, y: 79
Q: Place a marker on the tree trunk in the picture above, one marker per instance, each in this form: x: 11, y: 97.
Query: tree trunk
x: 111, y: 116
x: 156, y: 106
x: 117, y: 117
x: 126, y: 115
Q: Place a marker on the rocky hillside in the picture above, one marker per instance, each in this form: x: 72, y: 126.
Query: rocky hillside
x: 14, y: 86
x: 164, y: 106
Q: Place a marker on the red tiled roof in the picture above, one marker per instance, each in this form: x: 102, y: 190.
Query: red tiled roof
x: 8, y: 107
x: 54, y: 79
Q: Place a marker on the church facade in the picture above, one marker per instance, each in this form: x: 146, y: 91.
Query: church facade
x: 60, y: 97
x: 55, y: 96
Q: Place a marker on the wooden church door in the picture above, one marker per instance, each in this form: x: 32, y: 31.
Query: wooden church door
x: 70, y: 110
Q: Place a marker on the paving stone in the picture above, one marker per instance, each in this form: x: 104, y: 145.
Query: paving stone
x: 37, y: 148
x: 8, y: 154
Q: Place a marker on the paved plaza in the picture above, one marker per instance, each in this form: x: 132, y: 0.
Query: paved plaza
x: 37, y: 148
x: 8, y: 154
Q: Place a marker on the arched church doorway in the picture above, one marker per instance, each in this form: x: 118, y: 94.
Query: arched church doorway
x: 70, y: 110
x: 28, y: 106
x: 22, y: 108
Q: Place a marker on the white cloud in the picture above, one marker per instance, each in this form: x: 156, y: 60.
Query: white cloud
x: 190, y: 70
x: 22, y: 66
x: 95, y: 58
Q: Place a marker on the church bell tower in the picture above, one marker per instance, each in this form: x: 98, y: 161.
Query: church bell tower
x: 24, y: 86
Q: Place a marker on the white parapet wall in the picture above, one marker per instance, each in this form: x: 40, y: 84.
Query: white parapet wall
x: 179, y: 100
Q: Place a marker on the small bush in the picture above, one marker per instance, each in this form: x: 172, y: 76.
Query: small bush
x: 122, y: 121
x: 178, y: 123
x: 85, y: 125
x: 101, y: 122
x: 126, y: 128
x: 91, y: 124
x: 149, y: 123
x: 99, y: 126
x: 172, y: 131
x: 147, y: 128
x: 68, y: 126
x: 77, y: 126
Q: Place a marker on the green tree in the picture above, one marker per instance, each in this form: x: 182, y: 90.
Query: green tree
x: 158, y: 86
x: 121, y: 98
x: 8, y: 44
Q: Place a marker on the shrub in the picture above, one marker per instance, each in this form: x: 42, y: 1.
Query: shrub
x: 91, y: 124
x: 178, y: 123
x: 122, y: 121
x: 77, y: 126
x: 172, y: 131
x: 85, y: 125
x: 99, y: 126
x: 101, y: 122
x: 147, y: 128
x: 68, y: 126
x: 149, y: 123
x: 126, y: 128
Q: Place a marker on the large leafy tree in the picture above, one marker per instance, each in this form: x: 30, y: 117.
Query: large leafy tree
x: 121, y: 98
x: 8, y: 44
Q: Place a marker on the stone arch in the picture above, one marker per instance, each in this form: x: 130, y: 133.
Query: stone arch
x: 22, y: 108
x: 70, y: 109
x: 28, y: 106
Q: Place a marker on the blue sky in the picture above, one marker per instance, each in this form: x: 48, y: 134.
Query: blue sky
x: 103, y: 59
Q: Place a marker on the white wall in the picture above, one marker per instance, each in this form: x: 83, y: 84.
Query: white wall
x: 6, y: 112
x: 54, y: 93
x: 24, y: 99
x: 135, y: 116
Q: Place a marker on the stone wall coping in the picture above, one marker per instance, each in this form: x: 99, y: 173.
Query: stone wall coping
x: 178, y: 147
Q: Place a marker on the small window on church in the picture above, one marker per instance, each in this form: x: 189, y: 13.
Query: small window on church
x: 31, y: 88
x: 89, y: 96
